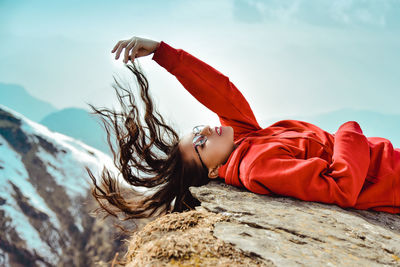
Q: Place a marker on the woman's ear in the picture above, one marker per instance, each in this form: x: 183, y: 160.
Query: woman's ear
x: 213, y: 173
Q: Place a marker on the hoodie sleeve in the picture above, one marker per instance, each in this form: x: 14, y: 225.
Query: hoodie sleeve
x: 313, y: 179
x: 209, y: 87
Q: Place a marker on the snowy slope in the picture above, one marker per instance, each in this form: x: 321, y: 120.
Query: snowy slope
x: 44, y: 191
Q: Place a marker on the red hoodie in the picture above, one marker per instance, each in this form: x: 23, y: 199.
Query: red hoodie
x: 292, y: 158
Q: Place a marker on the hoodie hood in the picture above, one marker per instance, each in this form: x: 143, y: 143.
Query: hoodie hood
x: 230, y: 170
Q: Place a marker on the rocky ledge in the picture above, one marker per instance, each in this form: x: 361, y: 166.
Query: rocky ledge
x: 233, y: 227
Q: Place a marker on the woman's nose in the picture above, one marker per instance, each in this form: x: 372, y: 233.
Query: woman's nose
x: 206, y: 130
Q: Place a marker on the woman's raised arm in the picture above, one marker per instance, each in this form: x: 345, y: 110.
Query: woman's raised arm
x: 206, y: 84
x: 209, y: 87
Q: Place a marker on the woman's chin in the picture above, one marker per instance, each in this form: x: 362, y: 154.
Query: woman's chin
x: 230, y: 131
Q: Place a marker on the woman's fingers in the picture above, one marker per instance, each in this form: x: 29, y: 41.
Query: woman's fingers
x: 127, y: 49
x: 119, y: 50
x: 134, y: 48
x: 116, y: 46
x: 134, y: 51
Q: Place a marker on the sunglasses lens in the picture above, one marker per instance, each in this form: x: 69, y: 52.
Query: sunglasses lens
x: 199, y: 140
x: 198, y: 129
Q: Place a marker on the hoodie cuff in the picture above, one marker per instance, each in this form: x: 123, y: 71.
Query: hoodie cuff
x: 166, y: 56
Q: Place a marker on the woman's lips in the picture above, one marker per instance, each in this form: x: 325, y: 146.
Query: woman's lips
x: 218, y: 130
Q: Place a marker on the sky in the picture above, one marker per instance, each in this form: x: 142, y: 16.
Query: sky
x: 287, y: 57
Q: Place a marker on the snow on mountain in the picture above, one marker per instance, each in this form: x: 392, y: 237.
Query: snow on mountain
x: 44, y: 195
x: 14, y: 173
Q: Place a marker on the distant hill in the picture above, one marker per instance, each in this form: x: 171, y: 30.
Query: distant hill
x: 17, y: 98
x: 79, y: 124
x: 75, y: 122
x: 373, y: 124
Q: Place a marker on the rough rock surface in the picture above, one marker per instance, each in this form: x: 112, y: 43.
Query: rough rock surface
x: 289, y: 232
x: 185, y: 239
x: 234, y: 227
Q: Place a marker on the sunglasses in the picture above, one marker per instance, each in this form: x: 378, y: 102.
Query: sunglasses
x: 199, y: 140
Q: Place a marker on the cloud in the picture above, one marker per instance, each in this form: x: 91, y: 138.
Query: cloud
x: 338, y: 13
x: 247, y: 11
x: 359, y: 12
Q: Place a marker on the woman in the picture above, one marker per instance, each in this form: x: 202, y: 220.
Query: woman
x: 290, y: 158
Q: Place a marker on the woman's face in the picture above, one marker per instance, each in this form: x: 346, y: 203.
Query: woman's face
x: 213, y: 145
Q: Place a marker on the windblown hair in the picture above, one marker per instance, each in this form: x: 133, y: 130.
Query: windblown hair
x: 147, y: 156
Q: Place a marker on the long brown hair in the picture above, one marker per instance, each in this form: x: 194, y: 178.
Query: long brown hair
x: 146, y: 154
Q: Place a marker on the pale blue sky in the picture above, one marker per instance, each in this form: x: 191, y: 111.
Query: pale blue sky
x: 288, y: 58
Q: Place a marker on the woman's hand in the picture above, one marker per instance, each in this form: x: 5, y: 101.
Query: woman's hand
x: 138, y: 47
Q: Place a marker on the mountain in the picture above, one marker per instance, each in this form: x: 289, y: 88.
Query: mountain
x: 373, y: 124
x: 17, y: 98
x: 44, y: 198
x: 74, y: 122
x: 79, y: 124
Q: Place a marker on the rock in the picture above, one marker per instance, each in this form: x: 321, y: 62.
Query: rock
x: 290, y: 232
x: 234, y: 227
x: 185, y: 239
